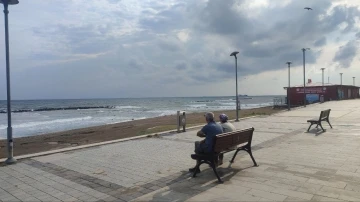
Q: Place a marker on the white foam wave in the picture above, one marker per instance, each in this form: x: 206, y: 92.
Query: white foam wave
x: 163, y: 112
x: 196, y: 106
x: 127, y: 107
x: 40, y: 123
x: 227, y: 103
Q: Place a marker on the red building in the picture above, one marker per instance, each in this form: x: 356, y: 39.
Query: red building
x: 316, y: 91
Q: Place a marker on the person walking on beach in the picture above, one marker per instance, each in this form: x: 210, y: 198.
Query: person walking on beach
x: 209, y: 131
x: 227, y: 127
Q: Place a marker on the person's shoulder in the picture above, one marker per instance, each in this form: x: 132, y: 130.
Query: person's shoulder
x: 219, y: 125
x: 205, y: 126
x: 230, y: 124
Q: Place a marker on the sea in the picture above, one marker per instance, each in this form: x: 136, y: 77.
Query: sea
x: 35, y: 117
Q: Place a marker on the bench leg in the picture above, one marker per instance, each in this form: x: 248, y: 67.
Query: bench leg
x: 322, y: 127
x: 329, y: 123
x: 212, y: 165
x: 232, y: 159
x: 248, y: 150
x: 197, y: 167
x: 309, y: 127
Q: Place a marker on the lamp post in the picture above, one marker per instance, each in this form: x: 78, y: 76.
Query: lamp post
x: 322, y: 69
x: 303, y: 50
x: 341, y: 78
x: 10, y: 144
x: 237, y: 97
x: 288, y: 91
x: 353, y: 80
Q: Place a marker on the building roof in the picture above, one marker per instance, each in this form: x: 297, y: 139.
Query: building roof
x: 318, y: 84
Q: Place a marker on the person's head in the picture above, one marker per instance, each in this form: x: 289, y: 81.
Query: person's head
x: 223, y: 118
x: 209, y: 116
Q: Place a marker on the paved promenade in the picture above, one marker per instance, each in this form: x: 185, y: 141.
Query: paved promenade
x: 294, y: 166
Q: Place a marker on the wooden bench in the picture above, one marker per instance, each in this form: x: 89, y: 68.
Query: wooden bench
x: 224, y: 143
x: 324, y: 116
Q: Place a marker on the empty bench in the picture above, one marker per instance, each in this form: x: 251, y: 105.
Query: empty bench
x: 224, y: 143
x: 324, y: 116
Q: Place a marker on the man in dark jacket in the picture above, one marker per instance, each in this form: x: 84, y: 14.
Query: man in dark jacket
x: 209, y: 131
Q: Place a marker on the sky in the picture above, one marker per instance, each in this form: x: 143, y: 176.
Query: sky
x: 155, y: 48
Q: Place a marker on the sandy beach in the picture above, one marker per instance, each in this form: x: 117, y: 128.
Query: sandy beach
x: 46, y: 142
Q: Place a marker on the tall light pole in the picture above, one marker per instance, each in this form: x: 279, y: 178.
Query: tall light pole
x: 10, y: 143
x: 303, y: 50
x: 341, y: 78
x: 353, y: 80
x: 288, y: 91
x: 341, y: 86
x: 237, y: 96
x: 322, y: 69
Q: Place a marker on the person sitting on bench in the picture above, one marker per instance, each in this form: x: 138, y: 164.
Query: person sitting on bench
x: 227, y: 127
x: 209, y: 131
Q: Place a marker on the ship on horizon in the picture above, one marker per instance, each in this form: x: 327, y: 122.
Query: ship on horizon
x: 244, y: 97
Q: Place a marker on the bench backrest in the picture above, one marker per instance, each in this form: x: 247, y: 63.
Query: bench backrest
x: 324, y: 114
x: 226, y: 140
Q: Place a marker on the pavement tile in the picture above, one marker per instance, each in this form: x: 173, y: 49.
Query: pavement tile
x: 323, y: 198
x: 338, y: 184
x: 266, y: 195
x: 293, y: 164
x: 292, y: 193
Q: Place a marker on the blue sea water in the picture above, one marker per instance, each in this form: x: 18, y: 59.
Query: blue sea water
x: 34, y: 117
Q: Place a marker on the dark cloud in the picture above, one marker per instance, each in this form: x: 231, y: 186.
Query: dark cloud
x: 169, y: 44
x: 165, y: 19
x: 135, y: 64
x: 220, y: 17
x: 181, y: 65
x: 346, y: 54
x: 81, y: 39
x: 320, y: 42
x: 113, y: 1
x: 276, y: 35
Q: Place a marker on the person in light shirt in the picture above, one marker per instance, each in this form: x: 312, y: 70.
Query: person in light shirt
x: 227, y: 127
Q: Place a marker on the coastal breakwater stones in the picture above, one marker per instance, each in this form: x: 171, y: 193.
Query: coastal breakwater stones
x: 57, y: 108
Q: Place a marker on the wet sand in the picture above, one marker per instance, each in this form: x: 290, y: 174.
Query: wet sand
x: 71, y: 138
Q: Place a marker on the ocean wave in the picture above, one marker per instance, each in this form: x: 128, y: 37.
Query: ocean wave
x: 227, y: 103
x: 163, y: 112
x: 39, y: 123
x: 202, y: 101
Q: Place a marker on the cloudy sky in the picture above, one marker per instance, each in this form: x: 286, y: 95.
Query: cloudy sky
x: 152, y: 48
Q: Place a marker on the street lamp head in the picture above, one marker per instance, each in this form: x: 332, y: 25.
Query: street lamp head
x: 322, y: 68
x: 234, y: 53
x: 305, y: 49
x: 9, y: 2
x: 341, y: 73
x: 289, y: 63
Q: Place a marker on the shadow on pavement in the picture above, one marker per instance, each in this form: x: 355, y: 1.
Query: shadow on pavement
x: 190, y: 187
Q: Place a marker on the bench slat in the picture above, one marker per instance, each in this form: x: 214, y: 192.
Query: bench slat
x: 227, y: 140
